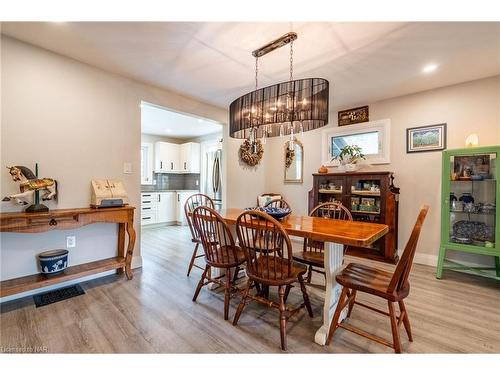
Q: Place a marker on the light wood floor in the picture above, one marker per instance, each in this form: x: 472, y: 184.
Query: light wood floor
x: 154, y: 313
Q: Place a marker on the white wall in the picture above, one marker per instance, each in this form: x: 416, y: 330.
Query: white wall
x: 79, y: 123
x: 472, y: 107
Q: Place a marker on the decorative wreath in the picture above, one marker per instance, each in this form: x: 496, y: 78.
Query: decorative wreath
x: 289, y: 156
x: 247, y: 154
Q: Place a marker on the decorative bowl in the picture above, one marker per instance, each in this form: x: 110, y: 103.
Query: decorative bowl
x: 477, y: 177
x: 53, y: 261
x: 275, y: 212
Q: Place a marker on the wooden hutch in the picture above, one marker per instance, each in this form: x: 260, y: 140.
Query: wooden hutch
x: 370, y: 196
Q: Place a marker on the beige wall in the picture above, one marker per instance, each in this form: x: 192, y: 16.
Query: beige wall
x: 471, y: 107
x: 79, y: 123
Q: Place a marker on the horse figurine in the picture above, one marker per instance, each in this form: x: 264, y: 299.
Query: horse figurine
x: 29, y: 184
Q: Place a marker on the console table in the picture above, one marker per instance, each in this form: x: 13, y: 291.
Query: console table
x: 22, y: 222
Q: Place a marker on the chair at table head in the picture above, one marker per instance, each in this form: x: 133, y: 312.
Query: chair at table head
x: 277, y: 203
x: 265, y: 198
x: 267, y: 248
x: 196, y: 200
x: 216, y: 238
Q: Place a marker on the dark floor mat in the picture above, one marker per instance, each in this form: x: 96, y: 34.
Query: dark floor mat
x: 57, y: 295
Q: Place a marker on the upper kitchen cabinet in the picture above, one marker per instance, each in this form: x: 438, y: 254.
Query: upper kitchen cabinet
x: 167, y: 157
x: 174, y: 158
x: 190, y: 157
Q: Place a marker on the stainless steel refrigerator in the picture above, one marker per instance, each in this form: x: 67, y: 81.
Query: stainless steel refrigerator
x: 213, y: 181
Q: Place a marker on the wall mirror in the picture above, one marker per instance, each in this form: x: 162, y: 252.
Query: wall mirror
x: 294, y: 161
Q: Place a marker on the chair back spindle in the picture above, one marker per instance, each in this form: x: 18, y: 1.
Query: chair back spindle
x: 266, y: 245
x: 277, y: 203
x: 196, y: 200
x: 216, y: 238
x: 400, y: 277
x: 330, y: 210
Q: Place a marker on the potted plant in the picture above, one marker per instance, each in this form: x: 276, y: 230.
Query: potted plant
x: 349, y: 156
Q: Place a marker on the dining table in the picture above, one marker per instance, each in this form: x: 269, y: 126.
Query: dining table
x: 335, y: 234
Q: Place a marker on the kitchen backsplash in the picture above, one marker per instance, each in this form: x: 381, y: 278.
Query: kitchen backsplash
x: 170, y: 181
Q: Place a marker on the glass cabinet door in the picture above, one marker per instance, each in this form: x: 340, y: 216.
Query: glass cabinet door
x: 331, y: 189
x: 365, y: 198
x: 472, y: 201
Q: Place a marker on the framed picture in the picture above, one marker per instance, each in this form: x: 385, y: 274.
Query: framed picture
x: 353, y: 116
x: 426, y: 138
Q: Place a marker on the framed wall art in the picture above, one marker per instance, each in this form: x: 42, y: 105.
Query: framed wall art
x: 426, y: 138
x: 353, y: 116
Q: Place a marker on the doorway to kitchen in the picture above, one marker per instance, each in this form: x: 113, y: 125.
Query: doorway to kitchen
x: 181, y: 154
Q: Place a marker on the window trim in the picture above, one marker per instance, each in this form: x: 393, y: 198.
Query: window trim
x: 380, y: 126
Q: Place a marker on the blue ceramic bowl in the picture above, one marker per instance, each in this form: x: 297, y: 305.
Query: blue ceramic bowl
x: 53, y: 261
x: 275, y: 212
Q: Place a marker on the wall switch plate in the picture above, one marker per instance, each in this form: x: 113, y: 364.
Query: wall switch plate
x: 197, y: 182
x: 70, y: 241
x: 127, y: 168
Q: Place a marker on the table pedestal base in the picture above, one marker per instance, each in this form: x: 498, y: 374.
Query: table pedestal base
x: 334, y: 254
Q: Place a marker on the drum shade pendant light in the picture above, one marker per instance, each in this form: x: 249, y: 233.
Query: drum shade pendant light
x: 285, y: 108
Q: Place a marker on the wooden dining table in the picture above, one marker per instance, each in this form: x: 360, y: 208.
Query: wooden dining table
x: 336, y: 234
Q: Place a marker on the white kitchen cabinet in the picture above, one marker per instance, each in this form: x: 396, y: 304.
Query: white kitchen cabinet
x: 166, y: 207
x: 167, y: 157
x: 190, y: 157
x: 148, y: 208
x: 181, y: 201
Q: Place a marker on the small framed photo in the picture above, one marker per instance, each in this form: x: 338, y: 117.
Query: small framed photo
x: 426, y: 138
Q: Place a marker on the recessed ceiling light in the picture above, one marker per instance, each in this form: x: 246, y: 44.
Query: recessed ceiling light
x: 429, y: 68
x: 200, y: 120
x: 168, y: 130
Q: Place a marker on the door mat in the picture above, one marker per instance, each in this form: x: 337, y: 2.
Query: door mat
x: 57, y: 295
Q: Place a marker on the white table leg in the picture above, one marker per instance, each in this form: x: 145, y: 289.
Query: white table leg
x: 334, y: 254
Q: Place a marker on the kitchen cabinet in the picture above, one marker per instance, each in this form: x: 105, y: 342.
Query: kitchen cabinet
x: 190, y: 157
x: 167, y: 157
x: 158, y: 208
x: 174, y: 158
x: 166, y: 207
x: 181, y: 201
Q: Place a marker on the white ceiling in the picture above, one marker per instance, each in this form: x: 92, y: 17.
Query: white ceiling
x: 212, y: 62
x: 160, y: 121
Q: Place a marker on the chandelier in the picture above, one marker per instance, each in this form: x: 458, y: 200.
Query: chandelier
x: 285, y: 108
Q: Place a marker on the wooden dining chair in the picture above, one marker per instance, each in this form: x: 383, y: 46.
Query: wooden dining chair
x: 192, y: 202
x: 277, y: 203
x: 313, y: 251
x: 274, y: 267
x: 219, y: 249
x: 269, y: 197
x: 393, y: 287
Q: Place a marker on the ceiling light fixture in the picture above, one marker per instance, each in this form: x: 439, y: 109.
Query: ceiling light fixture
x: 285, y: 108
x: 429, y: 68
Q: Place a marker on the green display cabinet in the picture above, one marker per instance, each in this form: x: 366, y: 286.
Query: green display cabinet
x: 469, y: 208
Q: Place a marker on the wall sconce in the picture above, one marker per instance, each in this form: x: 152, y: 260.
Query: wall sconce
x: 472, y: 140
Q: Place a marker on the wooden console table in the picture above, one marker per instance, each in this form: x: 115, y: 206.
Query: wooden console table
x: 21, y: 222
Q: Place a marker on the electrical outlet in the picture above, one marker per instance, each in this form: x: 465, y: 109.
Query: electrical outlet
x: 71, y: 241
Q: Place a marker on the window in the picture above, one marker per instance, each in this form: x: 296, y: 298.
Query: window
x: 146, y: 164
x: 373, y: 138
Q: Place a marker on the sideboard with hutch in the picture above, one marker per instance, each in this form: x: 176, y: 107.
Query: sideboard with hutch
x: 370, y: 196
x: 22, y: 222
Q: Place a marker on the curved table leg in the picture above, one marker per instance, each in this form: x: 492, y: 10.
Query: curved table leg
x: 130, y: 249
x: 334, y: 254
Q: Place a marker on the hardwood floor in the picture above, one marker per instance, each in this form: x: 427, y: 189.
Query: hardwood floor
x: 154, y: 313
